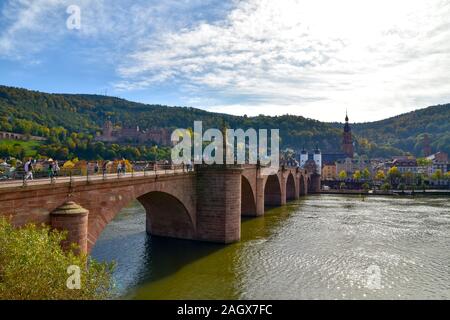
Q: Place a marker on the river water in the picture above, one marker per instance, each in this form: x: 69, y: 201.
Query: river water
x: 320, y: 247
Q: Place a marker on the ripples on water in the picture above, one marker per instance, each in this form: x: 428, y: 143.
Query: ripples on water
x: 320, y: 247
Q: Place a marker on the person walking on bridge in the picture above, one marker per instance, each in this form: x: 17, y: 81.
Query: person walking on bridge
x: 123, y: 166
x: 28, y: 167
x: 56, y: 168
x: 51, y: 168
x: 119, y: 168
x: 105, y: 167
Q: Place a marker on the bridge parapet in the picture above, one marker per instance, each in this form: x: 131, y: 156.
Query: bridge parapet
x: 205, y: 203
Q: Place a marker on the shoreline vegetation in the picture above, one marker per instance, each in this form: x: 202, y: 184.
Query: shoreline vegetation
x: 33, y: 266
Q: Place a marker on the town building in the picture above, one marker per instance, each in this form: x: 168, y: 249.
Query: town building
x: 329, y: 171
x: 110, y: 134
x: 350, y: 165
x: 439, y: 161
x: 312, y: 162
x: 19, y: 136
x: 406, y: 164
x: 347, y: 143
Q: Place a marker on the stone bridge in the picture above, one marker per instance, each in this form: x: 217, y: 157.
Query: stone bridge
x: 205, y: 204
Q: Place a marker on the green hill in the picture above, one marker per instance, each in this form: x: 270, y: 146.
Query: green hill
x: 71, y: 121
x: 406, y: 131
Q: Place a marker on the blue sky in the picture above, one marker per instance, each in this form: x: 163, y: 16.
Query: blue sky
x: 312, y: 58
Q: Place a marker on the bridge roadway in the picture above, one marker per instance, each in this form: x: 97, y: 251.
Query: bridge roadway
x: 204, y: 204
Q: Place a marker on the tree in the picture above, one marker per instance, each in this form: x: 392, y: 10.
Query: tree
x: 409, y: 178
x: 386, y: 187
x: 424, y: 162
x: 366, y: 186
x: 437, y: 175
x: 380, y: 176
x: 447, y: 176
x: 34, y: 266
x: 342, y: 175
x: 366, y: 174
x: 69, y: 165
x: 394, y: 174
x: 357, y: 175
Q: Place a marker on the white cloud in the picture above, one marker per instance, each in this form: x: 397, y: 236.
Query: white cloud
x: 307, y: 57
x: 312, y: 58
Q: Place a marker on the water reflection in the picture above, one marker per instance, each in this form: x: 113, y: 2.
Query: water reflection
x: 319, y: 247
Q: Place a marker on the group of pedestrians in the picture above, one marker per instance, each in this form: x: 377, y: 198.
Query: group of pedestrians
x: 121, y: 168
x: 53, y: 168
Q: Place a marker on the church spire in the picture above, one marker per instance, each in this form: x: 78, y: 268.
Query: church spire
x: 347, y: 143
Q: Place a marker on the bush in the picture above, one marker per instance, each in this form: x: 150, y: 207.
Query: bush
x: 386, y: 187
x: 33, y: 266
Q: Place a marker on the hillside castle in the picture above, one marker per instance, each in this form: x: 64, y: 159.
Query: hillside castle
x: 109, y: 134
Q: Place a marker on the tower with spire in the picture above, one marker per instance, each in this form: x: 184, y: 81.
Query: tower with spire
x: 347, y: 143
x: 303, y: 157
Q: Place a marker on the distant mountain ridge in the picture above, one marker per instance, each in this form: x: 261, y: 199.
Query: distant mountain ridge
x: 83, y: 113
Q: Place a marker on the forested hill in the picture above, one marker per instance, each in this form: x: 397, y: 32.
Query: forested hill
x: 87, y: 113
x: 59, y: 115
x: 406, y: 131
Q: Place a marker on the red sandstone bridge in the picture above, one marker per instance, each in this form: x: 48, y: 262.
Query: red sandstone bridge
x: 205, y: 204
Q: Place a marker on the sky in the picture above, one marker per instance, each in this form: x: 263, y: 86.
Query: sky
x: 316, y: 59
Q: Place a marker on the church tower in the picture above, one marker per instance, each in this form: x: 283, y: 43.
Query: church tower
x: 303, y: 158
x: 347, y: 144
x: 318, y: 160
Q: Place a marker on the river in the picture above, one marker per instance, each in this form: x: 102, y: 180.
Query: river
x: 319, y: 247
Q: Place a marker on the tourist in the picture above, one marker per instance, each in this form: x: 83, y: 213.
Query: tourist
x: 29, y: 169
x: 56, y: 168
x: 50, y: 169
x: 96, y: 168
x: 124, y: 167
x: 105, y: 166
x: 119, y: 168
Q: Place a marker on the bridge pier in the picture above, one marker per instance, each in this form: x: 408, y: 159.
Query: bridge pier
x: 259, y: 195
x: 72, y: 218
x: 297, y: 185
x: 283, y: 187
x: 315, y: 183
x: 218, y: 203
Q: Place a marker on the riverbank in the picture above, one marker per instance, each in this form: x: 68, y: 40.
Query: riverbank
x: 389, y: 193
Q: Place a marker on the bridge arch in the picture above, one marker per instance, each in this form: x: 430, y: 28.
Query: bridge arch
x: 290, y: 187
x: 167, y: 216
x: 170, y: 211
x: 248, y: 202
x: 272, y: 191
